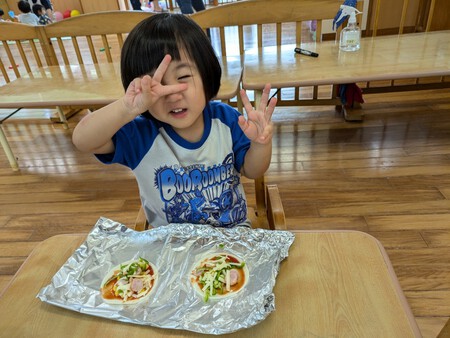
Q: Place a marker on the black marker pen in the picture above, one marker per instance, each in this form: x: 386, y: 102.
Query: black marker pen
x: 305, y: 52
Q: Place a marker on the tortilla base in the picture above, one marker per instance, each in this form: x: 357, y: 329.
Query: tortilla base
x: 197, y: 288
x: 130, y: 301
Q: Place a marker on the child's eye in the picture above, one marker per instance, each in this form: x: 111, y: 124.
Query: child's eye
x: 184, y: 77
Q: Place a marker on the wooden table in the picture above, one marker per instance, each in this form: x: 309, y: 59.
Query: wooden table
x: 85, y: 86
x: 333, y: 284
x: 380, y: 58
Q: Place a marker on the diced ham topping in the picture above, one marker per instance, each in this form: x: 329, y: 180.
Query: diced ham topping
x: 137, y: 284
x: 234, y: 276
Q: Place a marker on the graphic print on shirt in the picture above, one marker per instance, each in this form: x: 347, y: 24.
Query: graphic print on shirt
x: 196, y: 194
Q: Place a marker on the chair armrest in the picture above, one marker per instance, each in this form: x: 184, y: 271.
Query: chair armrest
x: 141, y: 222
x: 275, y: 211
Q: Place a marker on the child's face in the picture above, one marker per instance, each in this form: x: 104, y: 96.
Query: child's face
x: 183, y: 110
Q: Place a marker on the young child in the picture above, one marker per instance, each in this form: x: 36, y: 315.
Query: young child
x: 186, y: 151
x: 47, y: 4
x: 26, y: 17
x: 1, y: 15
x: 39, y: 11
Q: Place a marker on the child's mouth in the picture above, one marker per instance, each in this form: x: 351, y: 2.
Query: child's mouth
x: 178, y: 111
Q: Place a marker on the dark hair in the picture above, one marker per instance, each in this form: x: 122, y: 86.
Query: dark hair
x: 37, y: 8
x: 1, y: 12
x: 24, y: 6
x: 166, y: 33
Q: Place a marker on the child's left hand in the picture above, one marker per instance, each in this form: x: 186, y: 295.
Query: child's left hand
x: 258, y: 126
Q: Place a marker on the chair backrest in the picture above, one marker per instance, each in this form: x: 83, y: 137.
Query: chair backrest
x: 239, y: 26
x: 240, y: 21
x: 23, y: 51
x: 291, y: 23
x: 90, y: 38
x: 406, y: 16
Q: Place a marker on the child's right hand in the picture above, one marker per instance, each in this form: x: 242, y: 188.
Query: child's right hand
x: 142, y: 93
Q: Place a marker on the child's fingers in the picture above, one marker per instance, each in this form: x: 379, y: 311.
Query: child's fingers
x: 149, y: 84
x: 135, y: 86
x: 246, y: 101
x: 162, y: 68
x: 267, y: 132
x: 173, y: 89
x: 144, y: 83
x: 264, y: 98
x: 270, y: 109
x: 242, y: 123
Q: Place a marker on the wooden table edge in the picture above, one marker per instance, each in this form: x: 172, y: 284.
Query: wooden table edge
x: 343, y: 80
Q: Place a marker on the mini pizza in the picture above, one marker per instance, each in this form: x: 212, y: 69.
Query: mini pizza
x: 129, y: 283
x: 219, y: 276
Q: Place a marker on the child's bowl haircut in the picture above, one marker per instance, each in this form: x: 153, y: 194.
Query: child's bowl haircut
x: 166, y: 33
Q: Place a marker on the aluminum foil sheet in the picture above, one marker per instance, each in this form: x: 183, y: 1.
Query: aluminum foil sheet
x: 174, y: 250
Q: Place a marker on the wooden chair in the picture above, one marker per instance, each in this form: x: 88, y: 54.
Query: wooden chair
x: 90, y: 38
x: 234, y: 24
x: 268, y: 213
x: 98, y: 37
x: 406, y: 23
x: 23, y: 50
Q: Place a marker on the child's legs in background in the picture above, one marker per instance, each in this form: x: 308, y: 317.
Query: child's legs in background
x: 188, y: 6
x: 136, y: 4
x: 198, y: 5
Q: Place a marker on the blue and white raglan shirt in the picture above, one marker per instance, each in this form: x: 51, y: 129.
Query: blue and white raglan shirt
x: 180, y: 181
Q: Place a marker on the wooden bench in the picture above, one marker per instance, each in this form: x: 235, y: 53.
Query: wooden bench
x: 21, y: 50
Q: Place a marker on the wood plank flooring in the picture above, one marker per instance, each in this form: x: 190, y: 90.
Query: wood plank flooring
x: 388, y: 176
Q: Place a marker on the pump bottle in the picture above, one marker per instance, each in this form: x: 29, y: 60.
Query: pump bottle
x: 350, y: 35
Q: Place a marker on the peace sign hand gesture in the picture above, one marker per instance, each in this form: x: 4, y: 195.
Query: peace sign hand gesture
x: 143, y: 92
x: 258, y: 126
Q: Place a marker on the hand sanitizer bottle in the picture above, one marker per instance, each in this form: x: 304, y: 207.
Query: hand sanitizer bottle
x: 350, y: 35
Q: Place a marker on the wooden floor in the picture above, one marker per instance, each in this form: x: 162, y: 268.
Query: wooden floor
x: 388, y: 176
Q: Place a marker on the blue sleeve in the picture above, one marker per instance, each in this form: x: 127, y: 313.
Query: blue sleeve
x: 131, y: 143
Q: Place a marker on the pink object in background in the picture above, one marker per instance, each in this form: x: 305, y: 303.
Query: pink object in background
x: 58, y: 16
